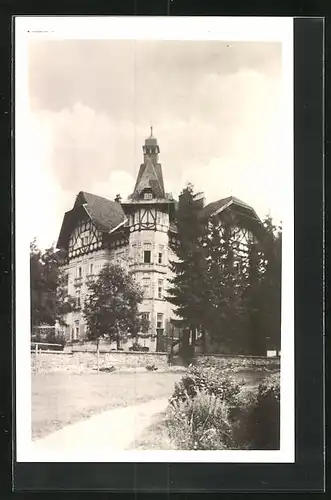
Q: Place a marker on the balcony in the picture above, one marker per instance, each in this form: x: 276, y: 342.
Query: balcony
x: 148, y: 266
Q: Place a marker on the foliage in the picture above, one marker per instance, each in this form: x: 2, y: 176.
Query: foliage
x: 213, y: 380
x: 49, y: 292
x: 225, y: 314
x: 264, y: 424
x: 49, y: 338
x: 232, y: 295
x: 136, y: 347
x: 210, y: 410
x: 186, y: 289
x: 200, y: 423
x: 111, y: 306
x: 270, y: 296
x: 151, y: 367
x: 239, y: 363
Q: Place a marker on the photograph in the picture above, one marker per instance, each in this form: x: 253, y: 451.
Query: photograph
x: 154, y: 239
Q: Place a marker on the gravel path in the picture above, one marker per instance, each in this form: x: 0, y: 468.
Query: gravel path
x: 113, y: 430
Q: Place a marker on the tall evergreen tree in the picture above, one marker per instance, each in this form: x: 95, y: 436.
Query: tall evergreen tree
x: 187, y: 287
x: 271, y: 285
x: 252, y: 276
x: 225, y: 315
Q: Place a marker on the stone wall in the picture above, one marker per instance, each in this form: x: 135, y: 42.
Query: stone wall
x: 81, y: 362
x: 241, y: 360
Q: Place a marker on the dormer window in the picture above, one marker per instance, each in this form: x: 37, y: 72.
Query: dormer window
x: 148, y: 196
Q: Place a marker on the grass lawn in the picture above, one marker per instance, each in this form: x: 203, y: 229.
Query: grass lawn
x: 59, y: 399
x: 155, y: 436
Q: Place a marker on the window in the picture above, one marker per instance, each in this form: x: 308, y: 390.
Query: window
x: 147, y: 256
x: 145, y: 316
x: 91, y: 268
x: 159, y: 289
x: 77, y: 298
x: 148, y: 196
x: 160, y: 258
x: 146, y: 286
x: 159, y: 320
x: 79, y: 272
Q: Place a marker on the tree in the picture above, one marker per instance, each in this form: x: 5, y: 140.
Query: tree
x: 111, y: 306
x: 36, y: 285
x: 187, y: 287
x: 49, y: 291
x: 270, y: 297
x: 253, y: 276
x: 224, y: 308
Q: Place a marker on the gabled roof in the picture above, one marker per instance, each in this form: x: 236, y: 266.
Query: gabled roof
x: 218, y: 206
x: 149, y: 176
x: 105, y: 214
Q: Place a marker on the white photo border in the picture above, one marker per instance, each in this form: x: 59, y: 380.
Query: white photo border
x: 263, y: 29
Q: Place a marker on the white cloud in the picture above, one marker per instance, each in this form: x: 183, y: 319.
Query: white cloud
x: 219, y: 129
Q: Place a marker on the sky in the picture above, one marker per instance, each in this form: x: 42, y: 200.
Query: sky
x: 215, y: 108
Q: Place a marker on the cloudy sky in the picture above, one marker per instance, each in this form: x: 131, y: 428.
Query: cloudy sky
x: 215, y: 108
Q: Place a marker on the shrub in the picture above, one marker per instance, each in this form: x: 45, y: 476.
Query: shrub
x: 264, y: 424
x: 212, y: 380
x: 238, y: 364
x: 238, y: 417
x: 201, y: 423
x: 151, y: 368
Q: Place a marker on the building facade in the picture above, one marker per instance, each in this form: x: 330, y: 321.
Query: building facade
x: 135, y: 233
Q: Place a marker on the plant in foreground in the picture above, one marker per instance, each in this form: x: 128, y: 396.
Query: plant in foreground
x: 200, y: 423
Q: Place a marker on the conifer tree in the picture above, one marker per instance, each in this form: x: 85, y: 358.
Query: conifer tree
x: 271, y: 285
x: 187, y: 287
x: 225, y: 314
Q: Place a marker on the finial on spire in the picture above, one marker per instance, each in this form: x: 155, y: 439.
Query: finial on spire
x: 151, y: 131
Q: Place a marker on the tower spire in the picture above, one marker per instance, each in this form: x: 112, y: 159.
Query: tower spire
x: 151, y: 130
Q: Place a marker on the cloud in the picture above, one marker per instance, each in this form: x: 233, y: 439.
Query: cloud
x: 215, y: 108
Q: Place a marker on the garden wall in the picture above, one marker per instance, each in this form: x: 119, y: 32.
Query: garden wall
x: 81, y: 362
x: 240, y: 362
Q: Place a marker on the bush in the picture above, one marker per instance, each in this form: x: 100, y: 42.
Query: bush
x: 210, y: 410
x: 201, y: 423
x: 212, y: 380
x: 50, y: 338
x: 264, y: 424
x: 151, y: 368
x: 238, y: 364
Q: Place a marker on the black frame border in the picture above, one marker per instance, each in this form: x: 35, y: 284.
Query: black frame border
x: 307, y: 473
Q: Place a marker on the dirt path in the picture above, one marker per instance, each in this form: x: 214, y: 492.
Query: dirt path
x: 113, y: 430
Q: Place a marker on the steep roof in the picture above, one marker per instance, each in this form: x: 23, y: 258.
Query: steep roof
x: 105, y: 214
x: 220, y: 205
x: 149, y: 176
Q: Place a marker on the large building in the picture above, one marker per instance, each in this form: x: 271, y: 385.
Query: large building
x: 134, y: 233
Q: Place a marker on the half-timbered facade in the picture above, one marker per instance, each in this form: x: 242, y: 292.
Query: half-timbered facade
x: 136, y: 233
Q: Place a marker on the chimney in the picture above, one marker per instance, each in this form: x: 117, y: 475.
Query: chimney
x: 118, y: 198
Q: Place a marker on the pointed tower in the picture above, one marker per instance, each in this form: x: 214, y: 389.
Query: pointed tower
x: 150, y: 180
x: 149, y: 211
